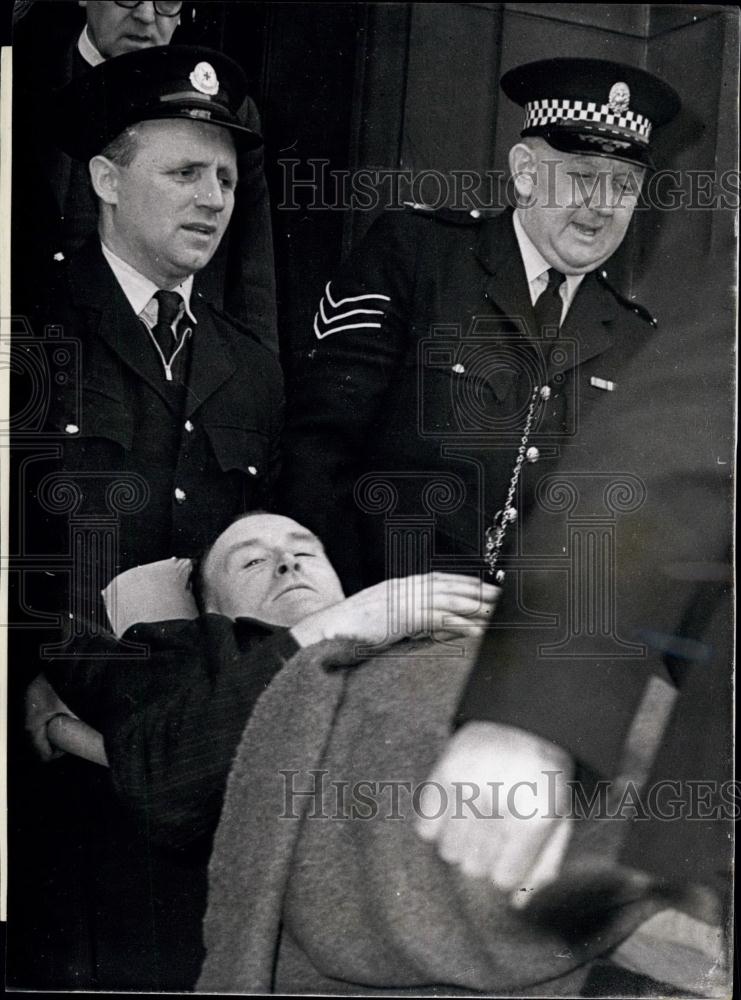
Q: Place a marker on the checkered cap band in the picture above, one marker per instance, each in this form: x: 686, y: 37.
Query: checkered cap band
x: 592, y: 115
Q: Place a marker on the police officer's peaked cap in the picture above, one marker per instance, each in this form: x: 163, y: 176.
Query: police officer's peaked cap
x: 167, y: 81
x: 592, y: 106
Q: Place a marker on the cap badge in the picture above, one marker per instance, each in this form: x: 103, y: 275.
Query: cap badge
x: 619, y: 98
x: 205, y: 80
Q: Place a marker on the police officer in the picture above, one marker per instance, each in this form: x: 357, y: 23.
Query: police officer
x: 54, y: 210
x: 161, y: 425
x: 407, y: 409
x: 453, y: 360
x: 171, y: 389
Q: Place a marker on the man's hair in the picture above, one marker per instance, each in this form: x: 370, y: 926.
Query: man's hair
x: 123, y: 148
x: 197, y: 583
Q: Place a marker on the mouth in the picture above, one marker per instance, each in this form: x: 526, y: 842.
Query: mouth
x: 585, y: 231
x: 204, y: 229
x: 294, y: 586
x: 140, y: 39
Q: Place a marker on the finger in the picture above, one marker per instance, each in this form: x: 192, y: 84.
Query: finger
x: 547, y: 864
x: 456, y: 626
x: 431, y: 809
x: 522, y: 842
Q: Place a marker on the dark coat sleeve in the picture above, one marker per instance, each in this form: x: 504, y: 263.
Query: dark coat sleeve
x: 172, y: 721
x: 336, y: 385
x: 668, y: 430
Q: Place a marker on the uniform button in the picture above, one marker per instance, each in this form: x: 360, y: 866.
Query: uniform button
x: 180, y: 495
x: 475, y: 213
x: 59, y: 256
x: 532, y: 454
x: 189, y: 426
x: 72, y: 429
x: 458, y: 369
x: 252, y: 470
x: 545, y: 392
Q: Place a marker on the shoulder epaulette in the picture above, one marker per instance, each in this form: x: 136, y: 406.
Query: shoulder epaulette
x: 454, y: 216
x: 634, y: 307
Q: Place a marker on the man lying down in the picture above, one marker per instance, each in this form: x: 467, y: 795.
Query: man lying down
x: 319, y: 879
x: 266, y: 590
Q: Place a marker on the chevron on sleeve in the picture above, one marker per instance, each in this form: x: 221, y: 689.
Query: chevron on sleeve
x: 329, y: 318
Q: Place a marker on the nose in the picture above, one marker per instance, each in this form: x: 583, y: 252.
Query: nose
x: 210, y: 193
x: 144, y: 12
x: 605, y: 204
x: 287, y: 563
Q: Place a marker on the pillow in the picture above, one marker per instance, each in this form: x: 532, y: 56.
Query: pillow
x: 154, y: 592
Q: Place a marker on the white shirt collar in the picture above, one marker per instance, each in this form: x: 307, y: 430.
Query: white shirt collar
x: 139, y: 290
x: 88, y: 50
x: 536, y: 268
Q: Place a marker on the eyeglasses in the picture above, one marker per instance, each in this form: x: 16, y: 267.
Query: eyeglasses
x: 161, y: 7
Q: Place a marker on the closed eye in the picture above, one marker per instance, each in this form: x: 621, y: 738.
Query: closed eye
x: 254, y: 562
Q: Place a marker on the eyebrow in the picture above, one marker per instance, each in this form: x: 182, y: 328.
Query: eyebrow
x: 186, y: 161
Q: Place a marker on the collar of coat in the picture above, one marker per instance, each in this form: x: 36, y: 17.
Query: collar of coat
x: 95, y: 291
x: 590, y: 315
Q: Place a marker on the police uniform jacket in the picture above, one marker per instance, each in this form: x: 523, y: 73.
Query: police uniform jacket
x: 118, y: 448
x: 406, y: 409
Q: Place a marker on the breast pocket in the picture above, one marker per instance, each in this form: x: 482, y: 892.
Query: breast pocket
x: 239, y: 450
x: 94, y: 415
x: 464, y: 391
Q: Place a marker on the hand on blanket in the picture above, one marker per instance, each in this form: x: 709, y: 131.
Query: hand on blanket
x: 429, y: 604
x: 500, y: 791
x: 42, y: 704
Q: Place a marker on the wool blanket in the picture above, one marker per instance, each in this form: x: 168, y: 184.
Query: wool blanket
x: 332, y: 891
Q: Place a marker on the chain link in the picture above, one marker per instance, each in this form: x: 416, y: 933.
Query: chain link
x: 495, y: 533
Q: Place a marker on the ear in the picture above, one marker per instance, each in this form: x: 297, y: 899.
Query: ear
x: 523, y: 167
x: 105, y: 176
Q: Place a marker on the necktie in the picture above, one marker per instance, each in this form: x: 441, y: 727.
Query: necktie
x: 168, y: 308
x: 549, y: 304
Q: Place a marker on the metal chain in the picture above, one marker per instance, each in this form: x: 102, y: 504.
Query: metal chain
x: 495, y: 533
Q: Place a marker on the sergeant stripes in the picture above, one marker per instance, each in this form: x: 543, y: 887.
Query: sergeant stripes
x: 328, y: 322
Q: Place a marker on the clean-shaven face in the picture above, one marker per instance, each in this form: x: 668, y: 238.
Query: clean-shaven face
x: 173, y: 203
x: 580, y: 207
x: 115, y: 30
x: 271, y: 569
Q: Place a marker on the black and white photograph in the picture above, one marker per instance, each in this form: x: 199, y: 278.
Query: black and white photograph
x: 369, y: 427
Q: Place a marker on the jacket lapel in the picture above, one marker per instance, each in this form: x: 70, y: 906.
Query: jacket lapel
x: 505, y: 286
x: 587, y: 322
x: 212, y: 361
x: 94, y: 288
